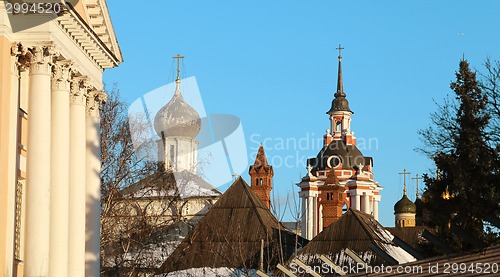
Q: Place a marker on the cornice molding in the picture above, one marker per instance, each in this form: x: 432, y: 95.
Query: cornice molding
x: 76, y: 28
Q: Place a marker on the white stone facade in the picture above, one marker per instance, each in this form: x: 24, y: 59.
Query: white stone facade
x: 57, y: 71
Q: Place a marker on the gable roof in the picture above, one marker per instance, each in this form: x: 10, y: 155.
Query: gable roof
x: 230, y: 235
x: 410, y: 235
x: 357, y: 231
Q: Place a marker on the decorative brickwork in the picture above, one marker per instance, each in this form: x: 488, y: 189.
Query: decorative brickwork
x: 261, y: 177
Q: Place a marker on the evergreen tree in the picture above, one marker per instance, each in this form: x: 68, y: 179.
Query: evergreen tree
x: 467, y: 186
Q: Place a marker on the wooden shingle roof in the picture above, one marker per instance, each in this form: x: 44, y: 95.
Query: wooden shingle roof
x: 231, y: 233
x: 358, y: 232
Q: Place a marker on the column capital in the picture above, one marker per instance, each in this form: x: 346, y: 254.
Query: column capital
x: 61, y: 72
x: 18, y: 54
x: 94, y: 99
x: 78, y: 90
x: 14, y: 55
x: 39, y: 58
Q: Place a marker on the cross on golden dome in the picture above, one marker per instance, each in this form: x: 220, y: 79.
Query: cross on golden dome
x: 416, y: 180
x: 404, y: 173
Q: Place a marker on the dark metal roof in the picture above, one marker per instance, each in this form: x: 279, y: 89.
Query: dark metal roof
x: 405, y: 205
x: 420, y: 206
x: 339, y: 103
x: 349, y: 155
x: 230, y: 235
x: 410, y: 235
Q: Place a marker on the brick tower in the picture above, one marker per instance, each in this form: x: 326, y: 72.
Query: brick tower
x: 261, y: 177
x: 331, y: 198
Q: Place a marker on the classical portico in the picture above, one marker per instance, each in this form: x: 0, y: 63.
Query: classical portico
x: 63, y: 165
x: 53, y: 189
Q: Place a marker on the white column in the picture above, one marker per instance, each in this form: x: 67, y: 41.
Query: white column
x: 93, y: 186
x: 304, y: 217
x: 320, y: 220
x: 310, y: 215
x: 38, y: 163
x: 315, y: 216
x: 76, y: 255
x: 356, y: 203
x: 375, y: 209
x: 59, y: 198
x: 366, y: 203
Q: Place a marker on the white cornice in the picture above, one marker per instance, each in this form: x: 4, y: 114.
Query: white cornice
x: 83, y: 35
x: 100, y: 22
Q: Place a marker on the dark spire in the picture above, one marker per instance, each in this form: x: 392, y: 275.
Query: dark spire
x: 340, y: 103
x: 340, y: 85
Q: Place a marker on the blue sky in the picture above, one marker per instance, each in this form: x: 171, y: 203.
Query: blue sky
x: 273, y: 64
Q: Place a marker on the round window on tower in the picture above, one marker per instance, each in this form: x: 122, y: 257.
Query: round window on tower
x: 334, y: 161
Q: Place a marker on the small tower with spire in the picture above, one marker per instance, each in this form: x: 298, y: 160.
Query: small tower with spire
x: 405, y: 210
x: 261, y: 177
x: 340, y: 113
x: 177, y: 124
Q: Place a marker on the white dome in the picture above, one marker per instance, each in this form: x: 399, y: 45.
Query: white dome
x: 177, y: 119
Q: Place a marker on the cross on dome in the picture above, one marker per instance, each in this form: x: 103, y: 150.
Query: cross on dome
x: 404, y: 173
x: 178, y: 78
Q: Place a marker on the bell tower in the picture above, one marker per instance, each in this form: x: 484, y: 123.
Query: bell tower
x: 261, y: 177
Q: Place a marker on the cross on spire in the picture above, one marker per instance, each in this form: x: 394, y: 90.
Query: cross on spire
x: 340, y: 48
x: 340, y: 84
x: 416, y: 180
x: 404, y: 178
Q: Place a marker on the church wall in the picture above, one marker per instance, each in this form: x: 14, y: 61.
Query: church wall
x: 11, y: 187
x: 5, y: 160
x: 183, y: 156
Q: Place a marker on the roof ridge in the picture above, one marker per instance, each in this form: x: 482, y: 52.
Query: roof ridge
x: 357, y: 214
x: 249, y: 193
